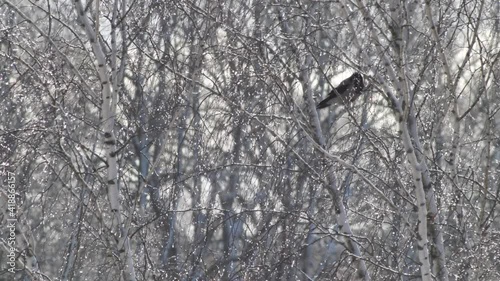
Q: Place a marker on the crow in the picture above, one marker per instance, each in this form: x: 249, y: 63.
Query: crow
x: 346, y: 92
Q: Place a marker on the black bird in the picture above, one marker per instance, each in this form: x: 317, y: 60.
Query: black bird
x: 346, y: 92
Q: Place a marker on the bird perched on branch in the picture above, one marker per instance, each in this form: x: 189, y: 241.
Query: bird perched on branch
x: 346, y: 92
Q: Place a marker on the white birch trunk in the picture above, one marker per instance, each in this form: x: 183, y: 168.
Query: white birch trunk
x: 108, y: 118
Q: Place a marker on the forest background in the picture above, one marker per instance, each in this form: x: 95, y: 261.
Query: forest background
x: 179, y: 140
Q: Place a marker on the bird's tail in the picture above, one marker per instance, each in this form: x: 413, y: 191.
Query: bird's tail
x: 322, y: 104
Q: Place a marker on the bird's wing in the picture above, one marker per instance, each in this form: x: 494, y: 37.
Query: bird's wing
x: 336, y: 94
x: 347, y: 91
x: 356, y: 90
x: 342, y: 87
